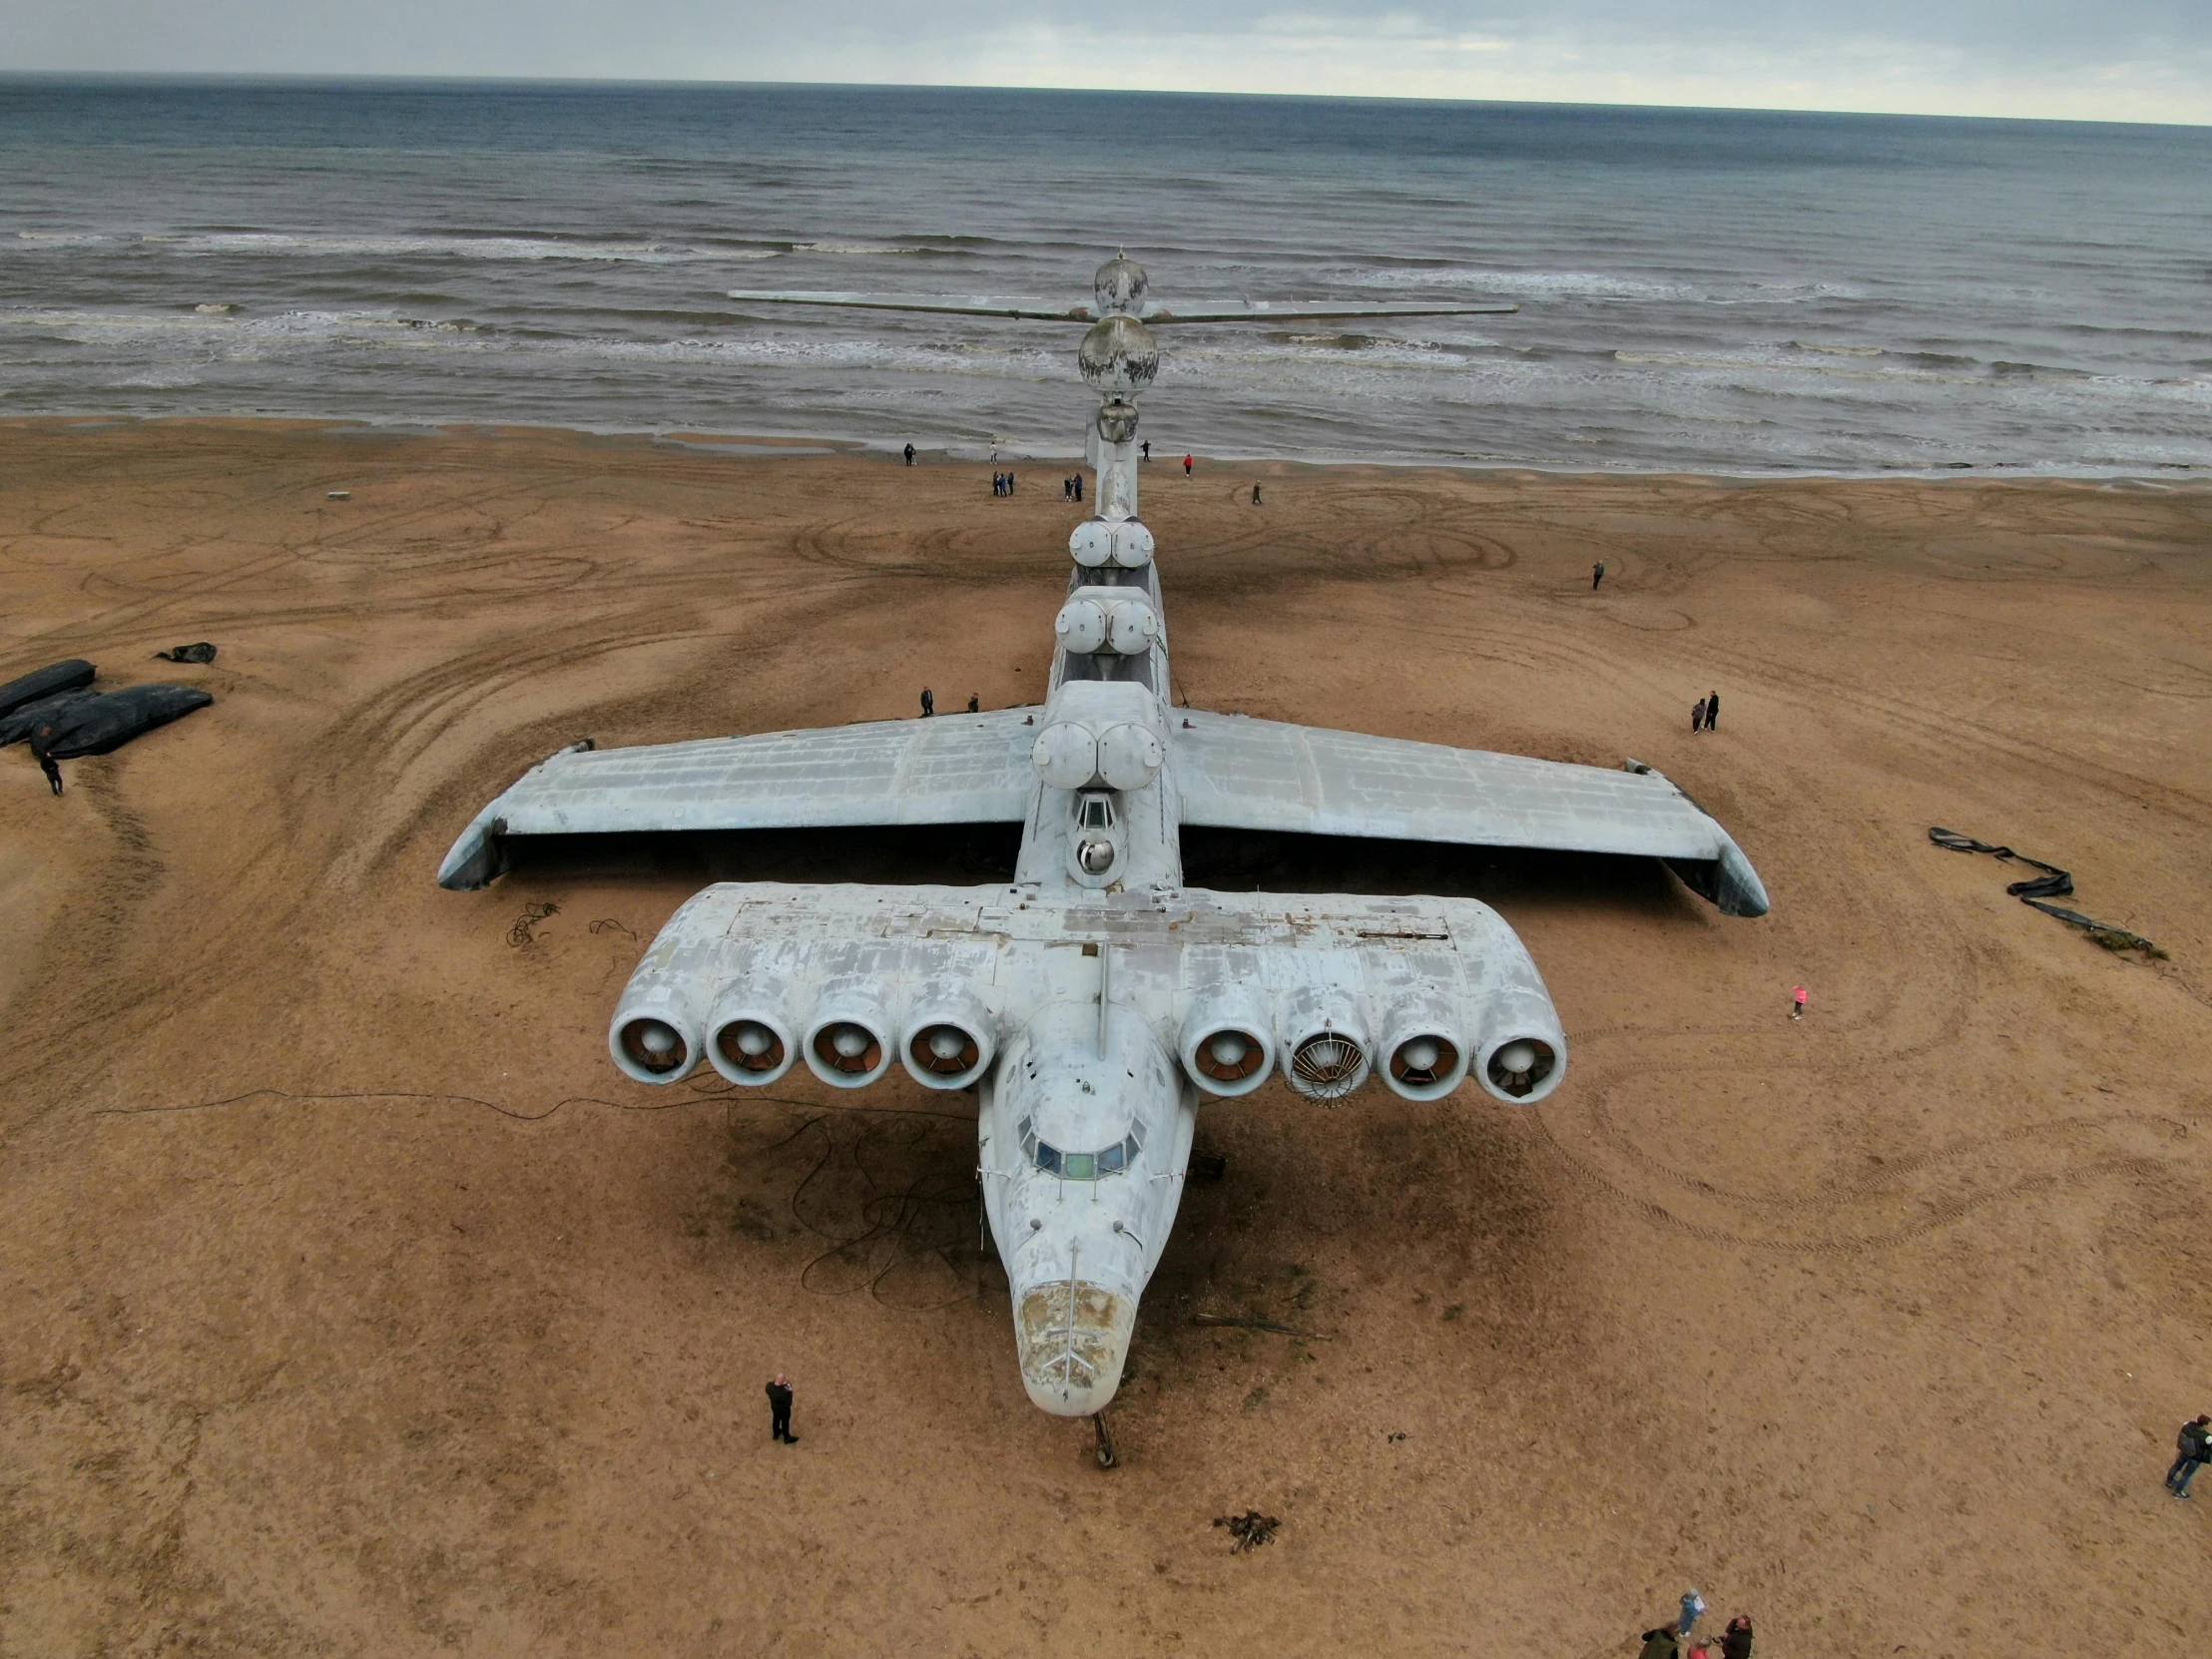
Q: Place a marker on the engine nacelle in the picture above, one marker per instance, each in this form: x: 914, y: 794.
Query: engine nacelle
x: 655, y: 1035
x: 1423, y: 1049
x: 849, y: 1040
x: 1226, y: 1046
x: 1523, y: 1052
x: 1323, y: 1040
x: 753, y: 1032
x: 950, y: 1038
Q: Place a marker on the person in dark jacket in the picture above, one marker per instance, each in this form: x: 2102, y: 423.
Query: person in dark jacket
x: 1736, y: 1639
x: 1712, y: 711
x: 1597, y: 575
x: 910, y: 454
x: 1697, y: 716
x: 779, y: 1410
x: 2195, y: 1447
x: 928, y: 703
x: 1662, y: 1643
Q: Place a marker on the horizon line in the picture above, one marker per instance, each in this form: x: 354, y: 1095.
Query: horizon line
x: 339, y: 78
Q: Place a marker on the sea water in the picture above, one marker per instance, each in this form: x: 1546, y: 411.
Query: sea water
x: 1699, y: 289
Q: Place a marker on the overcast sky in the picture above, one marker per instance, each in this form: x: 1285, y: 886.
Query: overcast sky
x: 2124, y: 60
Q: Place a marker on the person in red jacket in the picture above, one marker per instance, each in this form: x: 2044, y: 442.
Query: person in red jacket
x: 1186, y: 466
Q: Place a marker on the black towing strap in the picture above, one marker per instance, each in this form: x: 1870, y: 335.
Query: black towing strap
x: 2052, y: 883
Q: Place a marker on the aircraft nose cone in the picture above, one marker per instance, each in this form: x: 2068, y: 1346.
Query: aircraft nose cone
x: 1074, y: 1339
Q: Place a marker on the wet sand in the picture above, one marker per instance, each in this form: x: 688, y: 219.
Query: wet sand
x: 350, y: 1303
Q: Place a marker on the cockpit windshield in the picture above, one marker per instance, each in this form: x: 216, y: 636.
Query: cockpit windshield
x: 1080, y: 1165
x: 1095, y: 812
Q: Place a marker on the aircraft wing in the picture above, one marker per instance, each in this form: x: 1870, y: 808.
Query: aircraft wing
x: 954, y: 769
x: 1262, y: 311
x: 978, y: 305
x: 1236, y: 773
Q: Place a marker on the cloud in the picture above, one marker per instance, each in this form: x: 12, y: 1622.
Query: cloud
x: 2126, y: 60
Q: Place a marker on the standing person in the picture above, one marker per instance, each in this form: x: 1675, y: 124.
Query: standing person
x: 2195, y: 1447
x: 975, y: 703
x: 1186, y: 466
x: 1702, y: 1648
x: 1146, y: 446
x: 47, y: 765
x: 1078, y: 486
x: 1597, y: 574
x: 1797, y: 1002
x: 910, y: 454
x: 1067, y: 489
x: 1661, y: 1643
x: 1697, y: 715
x: 1712, y: 711
x: 779, y: 1410
x: 1693, y: 1608
x: 928, y: 703
x: 1736, y: 1640
x: 1009, y: 484
x: 1256, y: 495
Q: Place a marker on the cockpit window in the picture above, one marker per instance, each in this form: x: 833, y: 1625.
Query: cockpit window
x: 1080, y: 1165
x: 1097, y: 813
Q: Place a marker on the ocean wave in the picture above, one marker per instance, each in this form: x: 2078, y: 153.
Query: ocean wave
x: 292, y: 245
x: 864, y: 248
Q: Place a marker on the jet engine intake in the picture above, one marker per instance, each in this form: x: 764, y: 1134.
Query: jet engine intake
x: 849, y: 1043
x: 949, y: 1042
x: 1224, y: 1045
x: 1523, y: 1069
x: 652, y: 1047
x: 751, y: 1036
x: 1425, y: 1049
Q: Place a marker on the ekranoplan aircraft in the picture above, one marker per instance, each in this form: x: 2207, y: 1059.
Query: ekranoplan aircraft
x: 1096, y: 1003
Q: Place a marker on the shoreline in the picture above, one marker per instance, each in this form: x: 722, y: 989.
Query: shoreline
x: 770, y: 444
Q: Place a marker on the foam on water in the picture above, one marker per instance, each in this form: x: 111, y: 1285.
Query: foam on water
x: 1699, y: 289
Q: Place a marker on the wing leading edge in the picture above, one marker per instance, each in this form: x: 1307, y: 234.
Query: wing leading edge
x: 955, y: 769
x: 1236, y: 773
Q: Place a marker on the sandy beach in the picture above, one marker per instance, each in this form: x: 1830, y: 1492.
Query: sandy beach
x: 352, y: 1302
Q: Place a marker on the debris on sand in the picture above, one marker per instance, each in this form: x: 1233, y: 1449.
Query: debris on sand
x: 101, y: 724
x: 202, y: 651
x: 44, y: 683
x: 28, y: 718
x: 1250, y: 1529
x: 525, y: 932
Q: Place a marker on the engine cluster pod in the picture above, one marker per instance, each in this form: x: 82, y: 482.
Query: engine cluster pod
x: 949, y: 1039
x: 1225, y: 1046
x: 751, y: 1036
x: 849, y: 1041
x: 1098, y: 542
